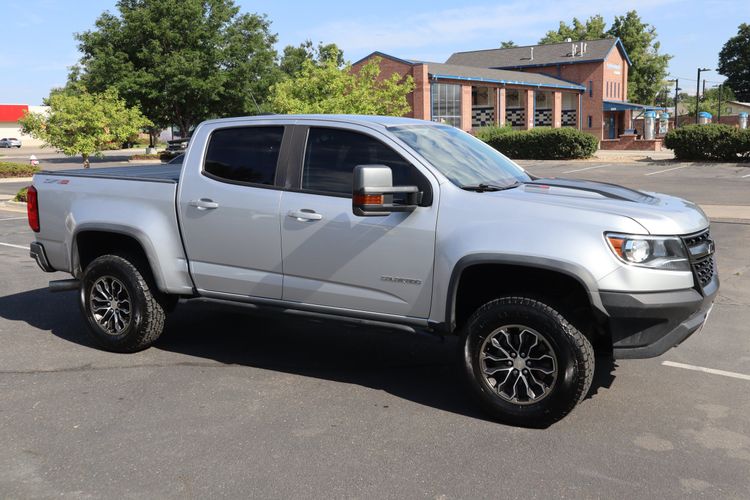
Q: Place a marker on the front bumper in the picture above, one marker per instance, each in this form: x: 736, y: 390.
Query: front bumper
x: 646, y: 325
x: 36, y: 252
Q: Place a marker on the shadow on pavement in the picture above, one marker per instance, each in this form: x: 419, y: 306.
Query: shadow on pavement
x: 418, y: 368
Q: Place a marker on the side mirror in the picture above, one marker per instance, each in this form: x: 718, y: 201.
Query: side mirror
x: 373, y: 190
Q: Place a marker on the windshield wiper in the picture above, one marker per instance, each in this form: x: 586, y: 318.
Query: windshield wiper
x: 482, y: 187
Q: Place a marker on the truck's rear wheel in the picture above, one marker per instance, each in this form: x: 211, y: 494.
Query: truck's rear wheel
x: 526, y: 364
x: 121, y: 308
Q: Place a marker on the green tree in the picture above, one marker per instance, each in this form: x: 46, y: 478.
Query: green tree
x: 734, y: 62
x: 180, y: 61
x: 710, y: 101
x: 508, y: 44
x: 591, y: 29
x: 84, y: 123
x: 326, y: 88
x: 293, y: 57
x: 649, y: 67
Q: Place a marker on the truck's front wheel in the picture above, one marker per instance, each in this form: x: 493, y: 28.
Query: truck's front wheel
x: 526, y: 364
x: 121, y: 308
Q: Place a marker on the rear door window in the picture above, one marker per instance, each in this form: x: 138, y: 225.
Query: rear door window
x: 244, y: 154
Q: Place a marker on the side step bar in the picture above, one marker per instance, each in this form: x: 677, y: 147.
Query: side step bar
x: 64, y: 285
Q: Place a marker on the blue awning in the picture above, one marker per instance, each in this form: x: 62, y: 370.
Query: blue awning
x: 628, y: 106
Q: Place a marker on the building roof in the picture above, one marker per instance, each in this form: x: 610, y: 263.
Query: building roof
x: 624, y: 106
x: 475, y: 74
x: 544, y: 55
x: 479, y: 74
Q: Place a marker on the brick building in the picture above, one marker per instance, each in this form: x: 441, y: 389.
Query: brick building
x: 581, y: 84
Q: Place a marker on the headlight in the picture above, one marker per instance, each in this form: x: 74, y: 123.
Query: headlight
x: 657, y: 252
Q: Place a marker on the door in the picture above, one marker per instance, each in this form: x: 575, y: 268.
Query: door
x: 229, y: 211
x: 334, y: 258
x: 612, y: 127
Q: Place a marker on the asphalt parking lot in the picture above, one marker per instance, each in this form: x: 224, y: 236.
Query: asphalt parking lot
x: 235, y: 405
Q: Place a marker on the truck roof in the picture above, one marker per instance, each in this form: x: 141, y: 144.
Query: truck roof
x: 385, y: 121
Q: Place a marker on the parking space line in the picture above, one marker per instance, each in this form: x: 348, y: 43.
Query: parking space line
x: 14, y: 246
x: 11, y: 218
x: 587, y: 168
x: 667, y: 170
x: 748, y: 175
x: 712, y: 371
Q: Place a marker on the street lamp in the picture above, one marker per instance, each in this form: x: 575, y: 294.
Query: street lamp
x: 698, y: 92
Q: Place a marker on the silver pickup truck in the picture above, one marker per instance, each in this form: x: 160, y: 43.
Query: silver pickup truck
x: 386, y: 221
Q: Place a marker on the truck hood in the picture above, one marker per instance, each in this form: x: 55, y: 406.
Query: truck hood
x: 657, y: 213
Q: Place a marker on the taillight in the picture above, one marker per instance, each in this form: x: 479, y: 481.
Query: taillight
x: 32, y: 208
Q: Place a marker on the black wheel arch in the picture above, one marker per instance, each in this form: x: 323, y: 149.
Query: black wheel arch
x: 571, y: 271
x: 88, y: 243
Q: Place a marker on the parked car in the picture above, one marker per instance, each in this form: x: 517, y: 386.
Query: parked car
x: 10, y: 142
x: 386, y: 221
x: 175, y: 147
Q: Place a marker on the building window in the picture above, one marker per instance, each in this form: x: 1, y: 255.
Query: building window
x: 569, y: 101
x: 482, y: 97
x: 590, y: 122
x: 446, y: 104
x: 591, y: 88
x: 512, y: 98
x: 543, y: 100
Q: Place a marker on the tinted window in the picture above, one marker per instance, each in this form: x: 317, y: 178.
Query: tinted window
x: 245, y: 154
x: 331, y: 155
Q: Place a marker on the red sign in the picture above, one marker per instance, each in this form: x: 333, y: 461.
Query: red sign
x: 12, y: 112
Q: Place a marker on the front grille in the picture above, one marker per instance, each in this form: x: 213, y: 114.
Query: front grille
x: 701, y: 250
x: 704, y: 270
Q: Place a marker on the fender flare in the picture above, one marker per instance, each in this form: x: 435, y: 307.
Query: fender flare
x: 106, y: 227
x: 572, y: 270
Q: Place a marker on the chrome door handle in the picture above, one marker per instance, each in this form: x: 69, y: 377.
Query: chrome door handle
x: 304, y: 215
x: 203, y: 204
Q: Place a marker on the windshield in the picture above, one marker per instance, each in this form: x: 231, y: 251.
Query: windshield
x: 461, y: 157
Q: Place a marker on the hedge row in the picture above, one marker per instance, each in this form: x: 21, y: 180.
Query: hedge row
x: 709, y: 142
x: 11, y: 169
x: 541, y: 143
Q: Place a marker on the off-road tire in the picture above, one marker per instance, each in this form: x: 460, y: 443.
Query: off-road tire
x: 147, y: 314
x: 575, y: 360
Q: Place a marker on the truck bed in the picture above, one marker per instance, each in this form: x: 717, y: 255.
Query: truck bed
x: 153, y: 173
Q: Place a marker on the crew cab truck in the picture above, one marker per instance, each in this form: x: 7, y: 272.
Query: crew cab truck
x: 389, y: 221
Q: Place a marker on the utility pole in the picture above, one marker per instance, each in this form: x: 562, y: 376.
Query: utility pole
x: 676, y: 98
x: 721, y: 87
x: 698, y: 93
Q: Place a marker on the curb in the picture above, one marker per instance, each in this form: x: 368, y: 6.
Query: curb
x: 9, y: 180
x: 13, y: 206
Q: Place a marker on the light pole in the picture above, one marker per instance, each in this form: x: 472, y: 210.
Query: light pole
x: 698, y: 93
x: 676, y: 98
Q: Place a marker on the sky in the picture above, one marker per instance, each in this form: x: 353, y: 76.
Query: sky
x: 39, y: 46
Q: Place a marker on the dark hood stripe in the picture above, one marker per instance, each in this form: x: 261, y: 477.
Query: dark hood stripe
x: 612, y: 191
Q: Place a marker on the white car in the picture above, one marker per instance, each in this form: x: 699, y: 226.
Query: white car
x: 10, y: 142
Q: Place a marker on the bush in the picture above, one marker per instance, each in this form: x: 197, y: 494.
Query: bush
x: 156, y: 156
x: 486, y: 134
x: 709, y: 142
x: 11, y: 169
x: 21, y: 195
x: 544, y: 143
